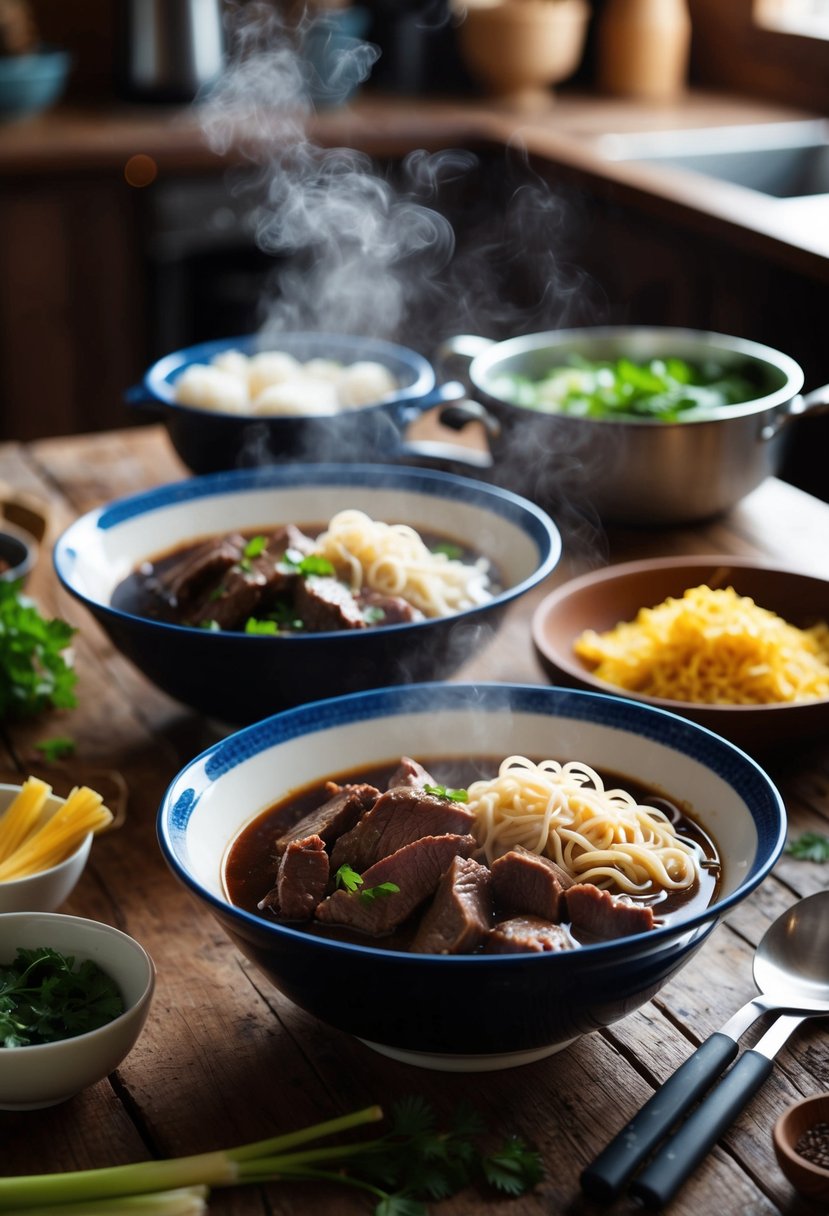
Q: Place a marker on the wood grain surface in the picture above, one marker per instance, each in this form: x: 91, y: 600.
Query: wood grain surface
x: 225, y: 1058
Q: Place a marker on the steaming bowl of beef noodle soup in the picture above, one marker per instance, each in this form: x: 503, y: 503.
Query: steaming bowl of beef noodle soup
x: 370, y: 855
x: 243, y: 593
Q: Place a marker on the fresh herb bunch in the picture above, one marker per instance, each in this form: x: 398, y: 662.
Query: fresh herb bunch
x: 809, y: 846
x: 45, y: 997
x: 34, y: 672
x: 414, y: 1162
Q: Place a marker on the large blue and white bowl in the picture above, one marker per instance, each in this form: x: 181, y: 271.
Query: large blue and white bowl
x: 477, y: 1011
x: 237, y: 677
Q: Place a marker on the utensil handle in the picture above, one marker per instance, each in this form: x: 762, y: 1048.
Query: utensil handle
x: 679, y: 1156
x: 605, y: 1177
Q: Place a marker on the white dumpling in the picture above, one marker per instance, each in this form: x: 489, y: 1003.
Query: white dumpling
x: 210, y: 388
x: 305, y: 395
x: 324, y: 369
x: 365, y: 382
x: 234, y: 362
x: 270, y: 367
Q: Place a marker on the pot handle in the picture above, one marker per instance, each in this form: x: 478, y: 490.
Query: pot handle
x: 463, y: 346
x: 456, y: 417
x: 406, y: 412
x: 815, y: 402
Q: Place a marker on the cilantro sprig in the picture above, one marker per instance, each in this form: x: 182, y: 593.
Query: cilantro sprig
x: 443, y: 791
x: 347, y: 879
x: 45, y: 996
x: 305, y: 564
x: 809, y: 846
x: 34, y: 672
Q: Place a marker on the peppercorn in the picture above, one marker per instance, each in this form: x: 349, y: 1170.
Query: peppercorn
x: 813, y: 1145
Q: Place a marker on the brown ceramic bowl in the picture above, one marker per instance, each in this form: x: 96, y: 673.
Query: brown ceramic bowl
x: 809, y: 1180
x: 605, y: 597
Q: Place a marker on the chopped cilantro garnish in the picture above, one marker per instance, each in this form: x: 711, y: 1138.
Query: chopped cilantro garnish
x: 265, y: 628
x: 211, y: 626
x: 454, y: 552
x: 347, y: 879
x: 442, y: 791
x: 306, y: 564
x: 44, y: 997
x: 255, y: 546
x: 55, y: 749
x: 373, y: 615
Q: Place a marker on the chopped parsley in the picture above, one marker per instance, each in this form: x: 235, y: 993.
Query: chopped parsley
x: 255, y: 546
x: 265, y: 628
x: 306, y: 564
x: 443, y: 791
x: 453, y: 552
x: 45, y: 996
x: 347, y: 879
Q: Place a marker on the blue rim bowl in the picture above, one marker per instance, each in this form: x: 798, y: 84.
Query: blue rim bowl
x: 470, y: 1012
x: 239, y: 678
x: 209, y: 441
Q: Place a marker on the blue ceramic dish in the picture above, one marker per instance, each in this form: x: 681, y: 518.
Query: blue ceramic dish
x: 209, y: 440
x: 239, y: 677
x: 32, y: 83
x: 476, y: 1011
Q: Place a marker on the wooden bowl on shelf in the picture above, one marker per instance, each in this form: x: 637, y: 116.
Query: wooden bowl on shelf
x: 518, y: 49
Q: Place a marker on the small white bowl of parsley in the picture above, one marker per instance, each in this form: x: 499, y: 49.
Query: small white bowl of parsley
x: 74, y: 997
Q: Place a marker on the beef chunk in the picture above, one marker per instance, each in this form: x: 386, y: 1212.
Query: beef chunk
x: 323, y: 603
x: 602, y: 915
x: 231, y: 603
x: 410, y: 773
x: 416, y: 870
x: 339, y: 813
x: 398, y: 817
x: 527, y: 934
x: 185, y: 581
x: 301, y: 880
x: 524, y: 882
x: 379, y: 609
x: 459, y: 916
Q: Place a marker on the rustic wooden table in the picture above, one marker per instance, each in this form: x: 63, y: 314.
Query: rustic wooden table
x: 225, y: 1059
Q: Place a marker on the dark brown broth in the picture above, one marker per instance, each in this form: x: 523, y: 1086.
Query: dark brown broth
x: 250, y: 866
x: 135, y: 593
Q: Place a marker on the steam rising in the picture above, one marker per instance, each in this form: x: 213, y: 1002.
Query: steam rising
x: 367, y: 252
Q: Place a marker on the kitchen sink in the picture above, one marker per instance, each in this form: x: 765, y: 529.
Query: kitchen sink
x: 784, y: 160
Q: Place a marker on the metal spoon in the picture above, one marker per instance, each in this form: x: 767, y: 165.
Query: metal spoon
x: 791, y: 971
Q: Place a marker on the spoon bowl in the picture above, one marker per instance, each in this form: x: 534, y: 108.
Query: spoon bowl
x: 791, y: 966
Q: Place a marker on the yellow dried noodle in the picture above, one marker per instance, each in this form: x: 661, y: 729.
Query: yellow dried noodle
x: 711, y: 647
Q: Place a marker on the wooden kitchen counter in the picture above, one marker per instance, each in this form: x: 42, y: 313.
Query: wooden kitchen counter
x: 225, y: 1059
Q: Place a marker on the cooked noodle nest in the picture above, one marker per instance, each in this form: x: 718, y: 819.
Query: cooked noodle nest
x: 395, y: 560
x: 598, y: 835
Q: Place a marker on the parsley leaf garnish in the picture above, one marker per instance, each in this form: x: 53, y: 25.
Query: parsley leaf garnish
x: 453, y: 552
x: 255, y: 546
x: 311, y: 563
x: 45, y: 996
x: 347, y: 879
x: 810, y: 846
x: 56, y: 749
x: 34, y: 673
x: 442, y: 791
x: 266, y: 628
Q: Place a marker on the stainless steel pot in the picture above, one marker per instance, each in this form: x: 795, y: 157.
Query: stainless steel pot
x: 634, y: 471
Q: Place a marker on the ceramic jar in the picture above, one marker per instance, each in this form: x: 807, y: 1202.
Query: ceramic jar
x: 642, y: 48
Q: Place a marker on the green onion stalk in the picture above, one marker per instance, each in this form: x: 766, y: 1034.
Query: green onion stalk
x: 179, y: 1186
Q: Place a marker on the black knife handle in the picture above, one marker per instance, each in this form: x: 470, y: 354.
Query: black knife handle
x: 679, y: 1156
x: 605, y: 1177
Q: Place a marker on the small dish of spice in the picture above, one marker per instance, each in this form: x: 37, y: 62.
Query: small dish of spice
x: 801, y: 1144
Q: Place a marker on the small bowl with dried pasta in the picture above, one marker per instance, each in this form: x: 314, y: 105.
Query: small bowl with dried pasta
x: 736, y: 645
x: 45, y: 843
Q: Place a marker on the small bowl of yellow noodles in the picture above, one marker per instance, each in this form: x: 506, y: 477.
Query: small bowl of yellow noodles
x: 733, y: 644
